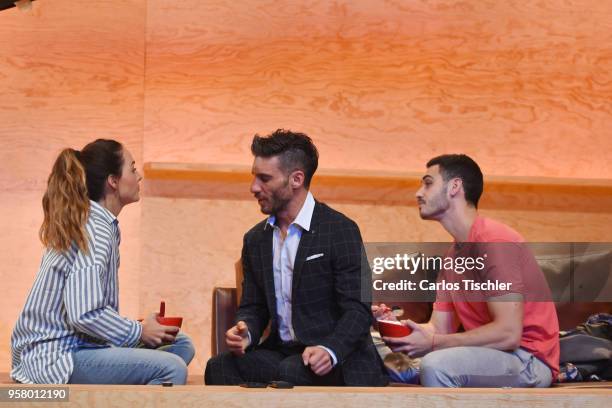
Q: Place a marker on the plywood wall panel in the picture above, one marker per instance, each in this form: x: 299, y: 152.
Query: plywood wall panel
x: 522, y: 87
x: 69, y: 74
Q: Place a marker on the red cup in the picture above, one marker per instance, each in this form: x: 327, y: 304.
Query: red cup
x: 390, y: 328
x: 170, y: 321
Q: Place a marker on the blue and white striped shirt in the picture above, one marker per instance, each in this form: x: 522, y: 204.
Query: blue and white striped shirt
x: 74, y: 303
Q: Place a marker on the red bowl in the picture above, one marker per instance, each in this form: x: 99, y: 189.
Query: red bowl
x: 170, y: 321
x: 389, y: 328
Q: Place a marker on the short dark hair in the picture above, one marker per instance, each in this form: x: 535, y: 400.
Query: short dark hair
x: 463, y: 167
x: 295, y: 151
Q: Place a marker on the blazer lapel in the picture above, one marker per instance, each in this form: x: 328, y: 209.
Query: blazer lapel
x: 306, y: 242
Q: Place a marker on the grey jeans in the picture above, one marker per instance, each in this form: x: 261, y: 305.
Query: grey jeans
x: 483, y: 367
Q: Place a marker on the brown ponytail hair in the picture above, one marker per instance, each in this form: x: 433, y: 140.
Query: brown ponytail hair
x: 76, y: 178
x: 65, y: 204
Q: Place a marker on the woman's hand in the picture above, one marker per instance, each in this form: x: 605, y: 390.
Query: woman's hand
x: 155, y: 334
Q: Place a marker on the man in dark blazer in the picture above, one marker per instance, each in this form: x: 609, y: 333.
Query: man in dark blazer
x: 302, y: 277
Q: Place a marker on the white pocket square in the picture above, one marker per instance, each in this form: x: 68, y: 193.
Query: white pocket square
x: 315, y: 256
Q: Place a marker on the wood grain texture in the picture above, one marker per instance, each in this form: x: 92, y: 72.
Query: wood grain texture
x: 69, y: 74
x: 522, y: 87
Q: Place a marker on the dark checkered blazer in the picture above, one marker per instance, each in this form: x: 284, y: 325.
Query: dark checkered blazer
x: 326, y: 305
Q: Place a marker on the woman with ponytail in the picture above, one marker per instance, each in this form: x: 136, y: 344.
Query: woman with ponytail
x: 70, y: 330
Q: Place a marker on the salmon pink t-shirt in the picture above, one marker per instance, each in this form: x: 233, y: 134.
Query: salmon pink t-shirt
x: 540, y: 324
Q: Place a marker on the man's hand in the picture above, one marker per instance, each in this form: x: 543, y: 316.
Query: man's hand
x: 155, y: 334
x: 416, y: 344
x: 318, y: 359
x: 237, y: 338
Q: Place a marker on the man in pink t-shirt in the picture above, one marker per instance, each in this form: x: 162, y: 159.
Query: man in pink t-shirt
x: 511, y: 336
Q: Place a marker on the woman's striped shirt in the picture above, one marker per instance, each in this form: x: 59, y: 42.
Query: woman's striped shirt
x: 73, y: 303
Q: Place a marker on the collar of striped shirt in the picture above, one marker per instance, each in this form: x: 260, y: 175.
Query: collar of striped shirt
x: 100, y: 212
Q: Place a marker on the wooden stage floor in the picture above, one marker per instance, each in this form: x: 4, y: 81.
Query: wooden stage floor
x: 320, y: 397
